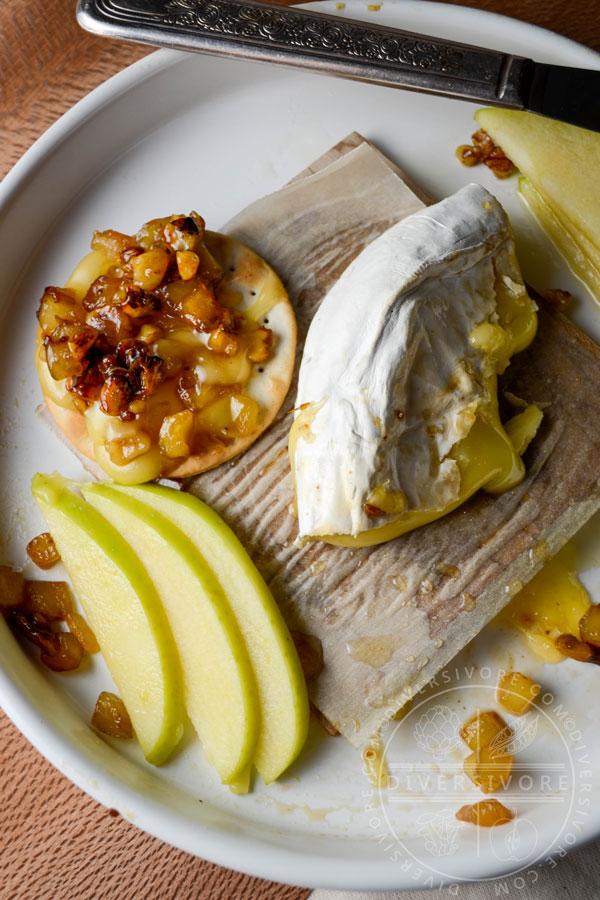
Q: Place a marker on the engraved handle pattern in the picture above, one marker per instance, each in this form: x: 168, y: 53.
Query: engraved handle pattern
x: 310, y: 32
x: 292, y: 29
x: 317, y: 41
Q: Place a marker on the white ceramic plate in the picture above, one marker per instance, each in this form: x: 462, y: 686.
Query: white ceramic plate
x: 175, y: 132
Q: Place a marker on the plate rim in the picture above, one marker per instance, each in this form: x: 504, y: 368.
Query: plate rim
x: 246, y: 853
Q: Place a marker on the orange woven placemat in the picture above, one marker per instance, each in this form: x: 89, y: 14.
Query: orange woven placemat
x: 55, y: 842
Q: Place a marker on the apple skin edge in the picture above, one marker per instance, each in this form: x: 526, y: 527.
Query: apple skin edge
x: 68, y: 516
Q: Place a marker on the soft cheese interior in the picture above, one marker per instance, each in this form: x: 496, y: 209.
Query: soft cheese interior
x: 400, y: 365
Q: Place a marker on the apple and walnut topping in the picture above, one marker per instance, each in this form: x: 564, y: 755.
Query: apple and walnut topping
x: 162, y: 338
x: 37, y: 609
x: 484, y: 150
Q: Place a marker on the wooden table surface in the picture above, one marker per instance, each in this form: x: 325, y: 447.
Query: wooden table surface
x: 55, y: 842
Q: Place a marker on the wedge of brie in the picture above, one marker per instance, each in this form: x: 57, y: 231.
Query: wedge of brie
x: 397, y: 415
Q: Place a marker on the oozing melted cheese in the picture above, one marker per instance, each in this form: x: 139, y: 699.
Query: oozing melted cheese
x: 397, y: 400
x: 552, y: 603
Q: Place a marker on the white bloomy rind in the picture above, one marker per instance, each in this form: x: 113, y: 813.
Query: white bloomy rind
x: 379, y: 359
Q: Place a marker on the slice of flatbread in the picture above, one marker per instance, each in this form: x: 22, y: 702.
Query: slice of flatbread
x: 390, y: 617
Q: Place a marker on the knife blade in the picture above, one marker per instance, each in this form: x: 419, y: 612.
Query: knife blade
x: 348, y: 48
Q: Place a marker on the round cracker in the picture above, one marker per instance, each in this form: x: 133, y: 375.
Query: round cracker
x: 268, y: 384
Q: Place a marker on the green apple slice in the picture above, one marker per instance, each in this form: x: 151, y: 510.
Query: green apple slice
x: 580, y: 256
x: 561, y: 161
x: 219, y: 685
x: 124, y: 611
x: 280, y: 680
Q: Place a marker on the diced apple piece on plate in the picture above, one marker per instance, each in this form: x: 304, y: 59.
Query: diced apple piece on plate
x: 125, y: 612
x: 281, y: 686
x: 219, y: 686
x: 560, y: 163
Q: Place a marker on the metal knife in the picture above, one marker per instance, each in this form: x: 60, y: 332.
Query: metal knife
x: 331, y: 45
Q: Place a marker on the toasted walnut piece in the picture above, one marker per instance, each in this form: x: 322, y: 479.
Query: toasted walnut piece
x: 149, y: 268
x: 589, y: 626
x: 486, y: 814
x: 485, y: 150
x: 482, y: 142
x: 576, y: 649
x: 76, y: 337
x: 310, y: 653
x: 500, y: 164
x: 467, y: 155
x: 116, y: 393
x: 61, y: 651
x: 481, y: 729
x: 516, y: 692
x: 187, y: 264
x: 64, y: 654
x: 488, y: 769
x: 176, y: 434
x: 113, y: 323
x: 42, y: 550
x: 222, y: 343
x: 260, y: 345
x: 111, y: 717
x: 82, y: 631
x: 12, y: 589
x: 140, y: 304
x: 86, y: 387
x: 112, y: 243
x: 47, y: 601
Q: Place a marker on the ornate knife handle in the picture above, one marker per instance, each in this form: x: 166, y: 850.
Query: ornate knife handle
x: 318, y: 42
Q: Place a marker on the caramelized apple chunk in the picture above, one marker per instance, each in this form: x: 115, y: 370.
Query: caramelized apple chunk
x: 576, y: 649
x: 60, y: 650
x: 12, y: 589
x: 486, y: 814
x: 481, y: 729
x: 176, y: 434
x: 111, y: 717
x: 111, y: 243
x: 42, y: 551
x: 149, y: 268
x: 261, y: 345
x: 516, y: 692
x: 56, y: 308
x: 47, y: 601
x: 488, y: 769
x: 187, y: 264
x: 82, y: 631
